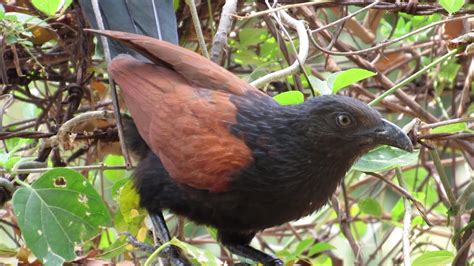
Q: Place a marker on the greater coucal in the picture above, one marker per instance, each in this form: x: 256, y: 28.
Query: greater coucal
x: 220, y: 152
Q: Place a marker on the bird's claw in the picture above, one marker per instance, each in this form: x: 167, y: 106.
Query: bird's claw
x: 132, y: 240
x: 169, y: 252
x: 274, y: 262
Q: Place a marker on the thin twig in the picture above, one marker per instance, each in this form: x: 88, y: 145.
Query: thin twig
x: 418, y: 205
x: 390, y: 42
x: 346, y: 231
x: 197, y: 27
x: 406, y: 222
x: 444, y: 180
x: 414, y: 76
x: 281, y: 8
x: 345, y: 17
x: 302, y: 54
x: 448, y: 122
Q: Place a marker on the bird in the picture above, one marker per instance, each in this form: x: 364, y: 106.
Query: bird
x: 222, y: 153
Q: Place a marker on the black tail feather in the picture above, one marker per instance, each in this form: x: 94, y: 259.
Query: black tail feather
x: 154, y: 18
x: 133, y: 140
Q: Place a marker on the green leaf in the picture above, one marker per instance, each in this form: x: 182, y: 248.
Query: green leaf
x: 2, y: 11
x: 452, y: 6
x: 129, y: 216
x: 319, y: 247
x: 202, y: 257
x: 289, y: 98
x: 302, y: 246
x: 349, y: 77
x: 25, y: 19
x: 50, y: 7
x: 398, y: 210
x: 129, y: 203
x: 56, y: 212
x: 385, y: 158
x: 319, y: 85
x: 114, y: 160
x: 434, y: 258
x: 212, y: 232
x: 322, y: 260
x: 107, y: 238
x: 247, y: 57
x: 451, y: 128
x: 358, y: 229
x: 252, y: 36
x: 370, y: 206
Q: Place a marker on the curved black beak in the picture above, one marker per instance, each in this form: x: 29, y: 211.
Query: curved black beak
x: 391, y: 134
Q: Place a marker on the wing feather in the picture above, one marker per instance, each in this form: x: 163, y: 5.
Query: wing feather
x: 198, y: 70
x: 185, y: 125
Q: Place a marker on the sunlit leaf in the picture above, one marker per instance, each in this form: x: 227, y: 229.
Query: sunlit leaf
x: 114, y: 160
x: 319, y: 85
x: 434, y: 258
x: 107, y: 238
x: 2, y: 11
x: 398, y: 210
x: 129, y: 216
x: 451, y: 128
x: 452, y: 6
x: 351, y: 76
x: 289, y: 98
x: 319, y: 247
x: 50, y: 7
x: 26, y: 19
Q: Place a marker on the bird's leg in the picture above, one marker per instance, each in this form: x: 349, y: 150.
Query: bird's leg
x: 163, y: 234
x: 238, y: 243
x: 255, y: 255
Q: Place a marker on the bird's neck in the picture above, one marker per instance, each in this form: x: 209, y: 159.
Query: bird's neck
x: 287, y: 160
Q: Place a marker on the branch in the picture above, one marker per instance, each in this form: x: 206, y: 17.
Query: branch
x: 346, y: 231
x: 67, y: 128
x: 225, y: 24
x: 302, y: 54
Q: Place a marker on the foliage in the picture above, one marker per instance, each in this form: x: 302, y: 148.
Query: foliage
x: 73, y: 201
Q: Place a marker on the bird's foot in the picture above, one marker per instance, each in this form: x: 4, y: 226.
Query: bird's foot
x: 137, y: 244
x: 170, y: 253
x: 274, y: 262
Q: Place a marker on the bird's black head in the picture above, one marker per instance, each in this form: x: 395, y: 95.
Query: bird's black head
x: 351, y: 125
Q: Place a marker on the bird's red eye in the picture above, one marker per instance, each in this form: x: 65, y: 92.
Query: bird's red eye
x: 343, y: 120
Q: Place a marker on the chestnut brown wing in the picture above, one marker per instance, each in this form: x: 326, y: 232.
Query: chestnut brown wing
x: 197, y: 70
x: 185, y: 125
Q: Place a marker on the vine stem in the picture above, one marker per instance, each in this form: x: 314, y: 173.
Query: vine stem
x: 414, y: 76
x: 149, y: 260
x: 444, y: 179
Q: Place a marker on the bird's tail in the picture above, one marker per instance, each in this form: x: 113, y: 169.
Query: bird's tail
x: 154, y: 18
x: 133, y: 140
